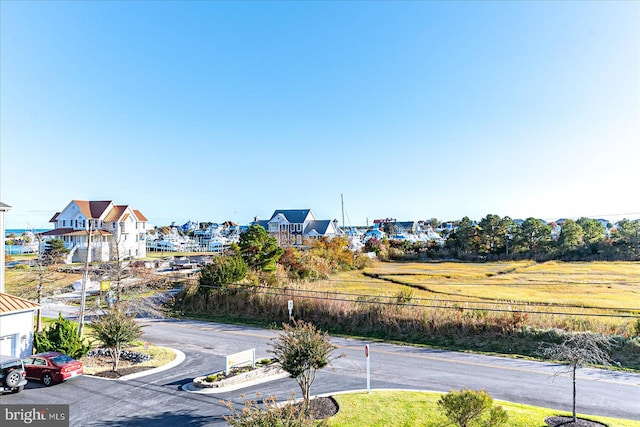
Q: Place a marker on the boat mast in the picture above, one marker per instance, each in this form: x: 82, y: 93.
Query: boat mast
x: 342, y: 203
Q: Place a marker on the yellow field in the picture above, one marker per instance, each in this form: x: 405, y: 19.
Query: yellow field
x: 609, y: 285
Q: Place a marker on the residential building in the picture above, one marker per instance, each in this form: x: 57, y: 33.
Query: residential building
x: 291, y: 227
x: 107, y: 230
x: 16, y: 325
x: 16, y: 314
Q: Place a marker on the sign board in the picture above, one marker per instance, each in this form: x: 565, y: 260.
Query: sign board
x: 366, y: 350
x: 105, y: 285
x: 247, y: 357
x: 290, y: 305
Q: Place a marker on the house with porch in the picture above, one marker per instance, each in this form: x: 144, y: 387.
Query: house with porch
x: 106, y: 230
x: 291, y: 227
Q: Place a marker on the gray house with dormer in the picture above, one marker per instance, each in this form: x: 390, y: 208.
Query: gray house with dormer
x: 292, y: 227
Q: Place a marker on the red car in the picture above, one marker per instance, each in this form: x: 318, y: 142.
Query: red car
x: 51, y: 367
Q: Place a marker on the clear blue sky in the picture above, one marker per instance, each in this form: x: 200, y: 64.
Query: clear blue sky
x: 214, y: 111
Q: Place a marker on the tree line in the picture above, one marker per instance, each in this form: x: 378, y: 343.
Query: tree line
x: 502, y: 238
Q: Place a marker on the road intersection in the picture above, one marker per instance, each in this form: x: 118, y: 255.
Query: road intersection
x: 160, y: 396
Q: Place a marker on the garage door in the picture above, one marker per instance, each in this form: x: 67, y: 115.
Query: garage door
x: 8, y: 345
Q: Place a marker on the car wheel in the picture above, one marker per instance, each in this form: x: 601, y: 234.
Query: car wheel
x: 13, y: 379
x: 47, y: 379
x: 17, y: 389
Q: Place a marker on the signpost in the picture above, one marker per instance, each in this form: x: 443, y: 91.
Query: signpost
x: 290, y: 304
x: 366, y: 355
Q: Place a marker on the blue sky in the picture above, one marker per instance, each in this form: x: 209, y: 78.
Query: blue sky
x: 214, y: 111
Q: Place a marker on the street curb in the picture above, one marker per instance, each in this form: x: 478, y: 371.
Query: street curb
x: 216, y: 390
x: 175, y: 362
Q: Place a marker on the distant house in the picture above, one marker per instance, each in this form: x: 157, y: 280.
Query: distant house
x: 291, y: 227
x: 16, y: 314
x: 116, y: 231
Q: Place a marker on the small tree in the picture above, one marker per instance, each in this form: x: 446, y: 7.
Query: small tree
x: 301, y: 350
x: 62, y: 335
x: 259, y: 249
x: 223, y: 271
x: 466, y: 406
x: 578, y: 350
x: 55, y: 251
x: 115, y: 330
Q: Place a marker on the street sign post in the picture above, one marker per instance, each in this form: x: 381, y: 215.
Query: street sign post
x: 366, y: 355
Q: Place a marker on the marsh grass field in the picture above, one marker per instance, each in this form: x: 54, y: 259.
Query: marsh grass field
x: 610, y: 285
x: 601, y: 296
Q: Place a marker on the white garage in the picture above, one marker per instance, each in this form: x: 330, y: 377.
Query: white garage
x: 16, y: 325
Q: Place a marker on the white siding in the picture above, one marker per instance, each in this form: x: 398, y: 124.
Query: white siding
x: 19, y: 328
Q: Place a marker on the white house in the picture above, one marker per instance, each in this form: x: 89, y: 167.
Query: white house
x: 292, y: 226
x: 16, y: 314
x: 114, y: 231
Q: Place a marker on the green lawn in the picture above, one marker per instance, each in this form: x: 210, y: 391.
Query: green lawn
x: 406, y: 408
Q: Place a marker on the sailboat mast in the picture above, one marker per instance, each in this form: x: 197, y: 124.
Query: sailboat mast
x: 342, y: 203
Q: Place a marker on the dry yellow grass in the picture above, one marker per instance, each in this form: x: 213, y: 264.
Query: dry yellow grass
x: 599, y: 296
x: 23, y: 282
x: 604, y: 284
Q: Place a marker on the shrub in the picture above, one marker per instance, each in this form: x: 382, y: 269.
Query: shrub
x: 471, y: 407
x: 62, y: 336
x: 270, y: 414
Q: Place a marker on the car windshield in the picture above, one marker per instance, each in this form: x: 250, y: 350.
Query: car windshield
x: 63, y: 358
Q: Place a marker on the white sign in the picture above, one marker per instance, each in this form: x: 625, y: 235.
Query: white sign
x: 247, y: 357
x: 290, y: 304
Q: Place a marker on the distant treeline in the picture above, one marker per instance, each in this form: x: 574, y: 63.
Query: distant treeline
x: 495, y: 238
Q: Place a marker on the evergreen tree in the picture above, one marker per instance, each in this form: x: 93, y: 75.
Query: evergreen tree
x: 259, y: 249
x: 223, y: 271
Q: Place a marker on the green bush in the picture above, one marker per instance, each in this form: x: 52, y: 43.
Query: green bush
x: 62, y: 336
x: 466, y: 408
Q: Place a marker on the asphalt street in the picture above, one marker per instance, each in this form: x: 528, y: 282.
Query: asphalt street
x: 158, y: 398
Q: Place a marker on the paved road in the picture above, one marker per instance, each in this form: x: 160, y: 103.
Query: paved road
x: 158, y: 399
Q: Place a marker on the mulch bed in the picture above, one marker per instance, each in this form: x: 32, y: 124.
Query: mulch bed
x: 324, y: 407
x: 121, y: 372
x: 568, y: 422
x: 101, y: 367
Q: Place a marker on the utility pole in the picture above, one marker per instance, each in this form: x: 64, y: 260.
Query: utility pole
x: 85, y: 277
x: 39, y: 288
